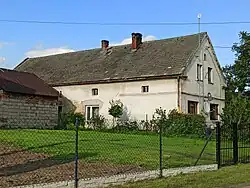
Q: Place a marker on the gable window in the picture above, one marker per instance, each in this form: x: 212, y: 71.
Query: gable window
x: 94, y: 91
x: 199, y: 72
x: 214, y: 114
x: 145, y: 89
x: 192, y: 107
x: 204, y: 57
x: 91, y: 112
x: 210, y: 75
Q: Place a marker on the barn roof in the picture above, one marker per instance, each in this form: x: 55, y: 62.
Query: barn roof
x: 24, y: 83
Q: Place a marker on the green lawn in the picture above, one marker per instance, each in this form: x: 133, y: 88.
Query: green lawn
x: 233, y: 176
x: 114, y: 148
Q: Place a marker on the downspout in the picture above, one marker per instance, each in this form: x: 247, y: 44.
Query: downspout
x: 179, y: 93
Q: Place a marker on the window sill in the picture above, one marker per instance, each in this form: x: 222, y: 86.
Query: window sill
x: 211, y: 83
x: 199, y: 80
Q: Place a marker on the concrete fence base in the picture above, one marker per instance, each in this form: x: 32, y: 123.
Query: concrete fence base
x: 124, y: 178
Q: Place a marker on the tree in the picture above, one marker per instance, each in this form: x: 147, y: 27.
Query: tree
x: 116, y: 109
x: 239, y: 72
x: 237, y: 75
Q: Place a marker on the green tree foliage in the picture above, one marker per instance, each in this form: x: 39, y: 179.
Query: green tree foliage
x: 116, y: 108
x: 237, y: 75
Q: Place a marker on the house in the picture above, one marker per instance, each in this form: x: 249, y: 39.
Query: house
x: 26, y: 101
x: 176, y: 73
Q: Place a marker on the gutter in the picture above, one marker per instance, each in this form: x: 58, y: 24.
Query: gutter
x: 106, y: 81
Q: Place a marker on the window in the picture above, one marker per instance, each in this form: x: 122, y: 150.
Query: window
x: 192, y: 107
x: 210, y: 75
x: 199, y: 72
x: 204, y: 57
x: 91, y: 112
x: 94, y: 91
x: 214, y: 112
x: 145, y: 89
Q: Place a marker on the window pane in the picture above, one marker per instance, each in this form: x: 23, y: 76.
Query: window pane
x: 214, y: 113
x: 88, y: 113
x: 209, y: 75
x: 145, y: 89
x: 95, y: 112
x: 192, y: 107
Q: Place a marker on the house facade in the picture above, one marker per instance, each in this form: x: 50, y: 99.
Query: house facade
x: 178, y: 73
x: 26, y: 101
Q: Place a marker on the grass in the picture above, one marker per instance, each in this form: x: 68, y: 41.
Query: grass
x: 225, y: 177
x: 114, y: 148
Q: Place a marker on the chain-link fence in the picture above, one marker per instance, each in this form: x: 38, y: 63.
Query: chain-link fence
x: 32, y: 156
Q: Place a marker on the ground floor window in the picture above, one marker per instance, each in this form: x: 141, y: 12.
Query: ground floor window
x: 214, y: 112
x: 192, y: 107
x: 91, y: 112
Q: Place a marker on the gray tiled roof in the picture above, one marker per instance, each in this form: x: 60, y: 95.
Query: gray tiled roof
x: 166, y: 57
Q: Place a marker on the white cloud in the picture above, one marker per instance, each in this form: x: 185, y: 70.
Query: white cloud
x: 39, y: 52
x: 129, y: 40
x: 2, y: 59
x: 3, y: 44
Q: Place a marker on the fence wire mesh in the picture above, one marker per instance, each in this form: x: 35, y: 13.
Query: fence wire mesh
x: 34, y: 156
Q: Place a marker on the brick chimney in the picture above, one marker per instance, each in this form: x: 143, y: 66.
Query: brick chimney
x: 105, y: 44
x: 136, y: 40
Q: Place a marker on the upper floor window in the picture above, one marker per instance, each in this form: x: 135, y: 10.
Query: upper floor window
x: 204, y: 57
x: 199, y: 72
x: 94, y: 91
x: 210, y: 75
x: 145, y: 89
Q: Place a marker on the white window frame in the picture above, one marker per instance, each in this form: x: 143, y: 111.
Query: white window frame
x: 199, y: 77
x: 91, y: 111
x: 211, y: 75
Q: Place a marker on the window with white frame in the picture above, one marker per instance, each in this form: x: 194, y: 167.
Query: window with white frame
x: 199, y: 72
x: 91, y: 112
x: 145, y: 89
x: 210, y: 75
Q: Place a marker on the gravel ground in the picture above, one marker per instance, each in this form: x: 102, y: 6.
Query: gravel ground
x: 22, y: 167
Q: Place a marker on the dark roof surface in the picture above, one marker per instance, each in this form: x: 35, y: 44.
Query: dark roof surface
x: 25, y: 83
x: 166, y: 57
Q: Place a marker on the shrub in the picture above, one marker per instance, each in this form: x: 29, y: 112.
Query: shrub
x: 97, y: 123
x: 127, y: 126
x: 179, y: 124
x: 67, y: 120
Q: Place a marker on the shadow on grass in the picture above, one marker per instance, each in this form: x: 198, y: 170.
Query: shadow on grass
x: 40, y: 147
x: 43, y: 163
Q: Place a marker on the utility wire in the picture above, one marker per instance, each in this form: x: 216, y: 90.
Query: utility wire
x: 123, y: 23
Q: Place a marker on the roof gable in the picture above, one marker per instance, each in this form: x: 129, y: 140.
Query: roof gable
x: 25, y: 83
x: 166, y: 57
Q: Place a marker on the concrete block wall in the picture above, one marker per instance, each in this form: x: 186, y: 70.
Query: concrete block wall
x: 28, y: 111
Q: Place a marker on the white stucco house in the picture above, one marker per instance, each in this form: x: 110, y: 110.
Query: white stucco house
x: 177, y: 73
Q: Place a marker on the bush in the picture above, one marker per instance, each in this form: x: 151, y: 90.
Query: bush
x: 179, y: 124
x: 97, y: 123
x: 67, y: 121
x: 127, y: 126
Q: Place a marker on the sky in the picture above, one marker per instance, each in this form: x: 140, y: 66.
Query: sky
x: 21, y: 40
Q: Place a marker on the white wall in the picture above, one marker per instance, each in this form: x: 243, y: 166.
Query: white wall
x: 162, y: 93
x: 191, y: 85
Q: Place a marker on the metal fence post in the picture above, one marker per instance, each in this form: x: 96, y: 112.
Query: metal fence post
x: 218, y: 144
x: 235, y: 144
x: 160, y: 136
x: 76, y: 153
